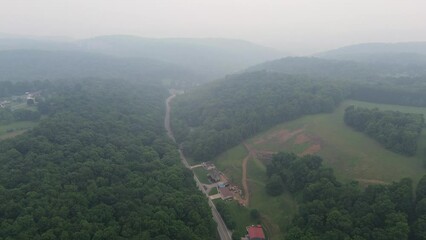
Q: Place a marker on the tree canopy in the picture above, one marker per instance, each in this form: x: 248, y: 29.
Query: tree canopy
x: 99, y: 167
x: 217, y: 116
x: 397, y: 131
x: 329, y: 209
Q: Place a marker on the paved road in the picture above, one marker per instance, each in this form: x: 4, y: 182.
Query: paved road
x: 223, y: 231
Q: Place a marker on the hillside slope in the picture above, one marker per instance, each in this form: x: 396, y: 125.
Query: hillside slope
x: 28, y: 65
x: 406, y: 58
x: 212, y: 58
x: 208, y: 58
x: 375, y: 48
x: 219, y: 115
x: 318, y: 68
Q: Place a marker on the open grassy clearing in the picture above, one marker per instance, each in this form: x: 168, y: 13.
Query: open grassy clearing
x: 353, y: 155
x: 273, y: 210
x: 241, y: 215
x: 22, y: 105
x: 201, y: 173
x: 213, y: 191
x: 14, y: 129
x: 230, y: 163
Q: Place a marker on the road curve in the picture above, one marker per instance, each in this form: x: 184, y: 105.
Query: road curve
x: 223, y: 231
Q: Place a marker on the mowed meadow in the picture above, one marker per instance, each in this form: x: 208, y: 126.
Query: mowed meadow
x: 353, y: 156
x: 273, y: 210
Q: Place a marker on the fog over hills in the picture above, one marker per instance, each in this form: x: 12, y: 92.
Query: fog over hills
x: 362, y: 61
x: 211, y: 57
x: 374, y: 48
x: 390, y: 53
x: 316, y: 67
x: 28, y: 65
x: 207, y: 58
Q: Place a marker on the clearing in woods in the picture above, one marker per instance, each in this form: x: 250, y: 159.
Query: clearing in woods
x: 352, y: 155
x: 14, y: 129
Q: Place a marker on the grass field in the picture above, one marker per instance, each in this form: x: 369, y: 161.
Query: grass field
x: 351, y: 154
x: 229, y: 163
x: 273, y: 210
x: 14, y: 129
x: 280, y: 209
x: 202, y: 175
x: 23, y: 105
x: 213, y: 191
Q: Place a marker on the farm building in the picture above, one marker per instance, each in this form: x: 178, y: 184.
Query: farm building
x: 255, y: 233
x: 208, y: 165
x: 214, y: 175
x: 225, y: 193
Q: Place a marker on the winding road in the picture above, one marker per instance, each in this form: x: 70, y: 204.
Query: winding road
x: 223, y: 231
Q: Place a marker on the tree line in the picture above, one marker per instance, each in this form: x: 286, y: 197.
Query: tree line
x: 99, y: 167
x: 331, y: 210
x: 396, y: 131
x: 401, y: 91
x: 213, y: 118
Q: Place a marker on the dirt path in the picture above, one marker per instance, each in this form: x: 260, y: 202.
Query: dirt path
x: 251, y: 153
x: 246, y: 199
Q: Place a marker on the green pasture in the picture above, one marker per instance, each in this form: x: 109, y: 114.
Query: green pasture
x: 352, y: 155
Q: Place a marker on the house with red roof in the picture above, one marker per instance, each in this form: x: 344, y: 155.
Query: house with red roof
x: 255, y: 233
x: 225, y: 193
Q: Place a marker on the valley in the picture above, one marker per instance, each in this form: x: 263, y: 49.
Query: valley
x: 212, y: 120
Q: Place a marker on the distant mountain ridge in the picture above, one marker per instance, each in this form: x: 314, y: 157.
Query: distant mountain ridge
x: 29, y: 65
x: 404, y: 53
x: 350, y: 67
x: 317, y: 67
x: 375, y: 48
x: 208, y: 58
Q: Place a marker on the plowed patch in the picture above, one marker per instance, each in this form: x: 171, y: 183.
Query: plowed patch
x: 311, y: 150
x: 302, y: 138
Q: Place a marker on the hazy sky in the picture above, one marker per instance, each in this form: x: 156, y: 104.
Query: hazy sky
x: 298, y: 26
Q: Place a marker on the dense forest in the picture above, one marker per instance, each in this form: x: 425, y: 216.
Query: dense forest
x: 408, y: 91
x: 382, y: 78
x: 397, y: 131
x: 99, y: 167
x: 8, y: 116
x: 212, y: 118
x: 330, y: 210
